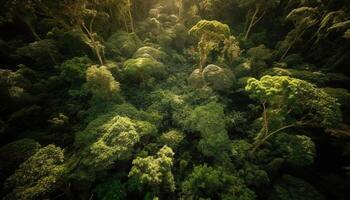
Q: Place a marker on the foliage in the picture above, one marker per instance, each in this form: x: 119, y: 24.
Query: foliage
x: 171, y: 139
x: 122, y: 44
x: 143, y: 68
x: 147, y: 51
x: 317, y: 78
x: 218, y: 78
x: 295, y: 188
x: 209, y: 34
x: 289, y: 102
x: 298, y: 150
x: 259, y: 97
x: 101, y: 82
x: 285, y: 93
x: 207, y: 120
x: 73, y: 70
x: 14, y: 153
x: 155, y: 171
x: 110, y: 138
x: 38, y: 175
x: 112, y: 188
x: 209, y: 182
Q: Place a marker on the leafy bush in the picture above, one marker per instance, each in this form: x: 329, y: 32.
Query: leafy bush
x: 101, y: 82
x: 39, y: 175
x: 73, y: 70
x: 154, y: 171
x: 214, y: 183
x: 122, y: 44
x: 153, y: 52
x: 142, y: 69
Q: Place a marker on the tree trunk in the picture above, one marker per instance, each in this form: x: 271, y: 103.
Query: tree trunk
x: 252, y: 22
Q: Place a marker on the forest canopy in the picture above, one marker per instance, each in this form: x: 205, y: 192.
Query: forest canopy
x: 175, y: 99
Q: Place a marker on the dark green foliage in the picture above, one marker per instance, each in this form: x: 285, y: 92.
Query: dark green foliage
x: 208, y: 121
x: 73, y: 70
x: 43, y: 53
x: 122, y: 44
x: 143, y: 69
x: 209, y: 182
x: 174, y: 99
x: 296, y: 189
x: 14, y: 153
x: 298, y: 150
x: 110, y: 189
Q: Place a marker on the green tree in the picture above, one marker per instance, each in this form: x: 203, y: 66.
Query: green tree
x: 298, y: 150
x: 289, y: 102
x: 214, y: 183
x: 303, y: 18
x: 109, y: 138
x: 154, y: 172
x: 101, y: 83
x: 209, y: 121
x: 256, y: 11
x: 209, y: 34
x: 39, y: 175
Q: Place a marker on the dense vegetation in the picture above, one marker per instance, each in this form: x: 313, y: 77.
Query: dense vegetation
x: 175, y: 99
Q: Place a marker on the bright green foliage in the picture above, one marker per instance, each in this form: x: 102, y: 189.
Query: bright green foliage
x: 172, y: 139
x: 292, y: 188
x: 143, y: 68
x: 210, y: 34
x: 155, y: 171
x: 123, y: 110
x: 289, y: 102
x: 73, y: 70
x: 317, y: 78
x: 214, y: 183
x: 294, y: 96
x: 298, y: 150
x: 122, y: 44
x: 39, y: 175
x: 101, y: 82
x: 218, y: 78
x: 209, y: 121
x: 110, y: 138
x: 151, y: 51
x: 213, y: 29
x: 111, y: 189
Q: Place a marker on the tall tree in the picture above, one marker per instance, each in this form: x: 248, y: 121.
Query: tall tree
x: 256, y: 11
x: 288, y: 102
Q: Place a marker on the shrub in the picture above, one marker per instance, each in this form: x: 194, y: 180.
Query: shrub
x: 122, y: 44
x: 101, y: 82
